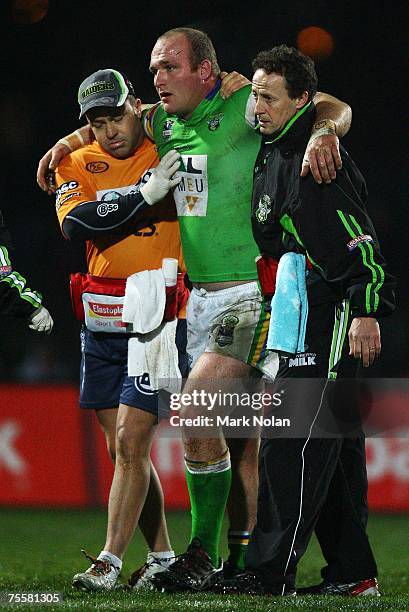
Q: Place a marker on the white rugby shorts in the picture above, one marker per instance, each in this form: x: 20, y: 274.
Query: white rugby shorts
x: 230, y: 322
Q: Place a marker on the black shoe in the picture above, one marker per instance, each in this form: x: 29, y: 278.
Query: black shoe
x: 249, y: 583
x: 192, y: 571
x: 230, y: 570
x: 349, y: 589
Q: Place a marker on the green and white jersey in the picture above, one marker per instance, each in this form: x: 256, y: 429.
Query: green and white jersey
x: 219, y: 146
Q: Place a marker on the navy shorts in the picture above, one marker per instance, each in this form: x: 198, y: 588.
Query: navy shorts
x: 104, y: 380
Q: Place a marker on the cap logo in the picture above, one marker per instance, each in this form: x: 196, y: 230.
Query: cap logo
x: 96, y: 88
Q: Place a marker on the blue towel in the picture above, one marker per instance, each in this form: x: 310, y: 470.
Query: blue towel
x: 289, y: 306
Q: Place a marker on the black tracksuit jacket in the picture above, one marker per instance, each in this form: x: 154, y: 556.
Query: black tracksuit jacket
x: 328, y: 223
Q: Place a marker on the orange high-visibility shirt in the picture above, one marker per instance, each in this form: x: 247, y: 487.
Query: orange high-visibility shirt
x: 89, y: 174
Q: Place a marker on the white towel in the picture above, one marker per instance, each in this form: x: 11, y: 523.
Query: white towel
x: 156, y: 353
x: 144, y: 302
x: 153, y: 349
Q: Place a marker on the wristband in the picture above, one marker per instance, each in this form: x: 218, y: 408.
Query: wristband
x: 73, y: 141
x: 324, y: 127
x: 64, y: 141
x: 323, y: 132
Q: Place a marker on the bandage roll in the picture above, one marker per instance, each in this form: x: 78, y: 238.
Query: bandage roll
x: 170, y: 271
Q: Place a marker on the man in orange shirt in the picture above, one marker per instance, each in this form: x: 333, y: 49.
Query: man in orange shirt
x: 103, y: 197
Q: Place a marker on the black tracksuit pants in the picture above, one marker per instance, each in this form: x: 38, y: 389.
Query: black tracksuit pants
x: 317, y: 481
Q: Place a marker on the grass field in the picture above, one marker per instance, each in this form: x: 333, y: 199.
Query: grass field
x: 40, y: 551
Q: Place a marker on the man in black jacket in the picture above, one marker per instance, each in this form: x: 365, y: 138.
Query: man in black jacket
x: 314, y: 481
x: 15, y: 297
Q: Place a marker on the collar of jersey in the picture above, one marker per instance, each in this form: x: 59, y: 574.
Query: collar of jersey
x: 214, y: 91
x: 200, y: 110
x: 289, y: 124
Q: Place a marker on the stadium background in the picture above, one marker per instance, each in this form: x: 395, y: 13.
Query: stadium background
x: 50, y: 454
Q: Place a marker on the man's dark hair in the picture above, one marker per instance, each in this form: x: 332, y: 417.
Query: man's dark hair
x: 201, y: 47
x: 297, y: 69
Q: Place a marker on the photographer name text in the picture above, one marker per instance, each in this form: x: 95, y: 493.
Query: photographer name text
x: 255, y: 420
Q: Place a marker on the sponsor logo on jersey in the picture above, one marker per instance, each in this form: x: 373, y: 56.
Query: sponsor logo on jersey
x: 97, y: 166
x: 263, y: 209
x: 167, y: 128
x: 105, y: 208
x: 214, y: 122
x: 352, y: 244
x: 96, y: 87
x: 226, y: 330
x: 302, y: 359
x: 147, y: 227
x: 191, y: 195
x: 64, y: 188
x: 68, y: 197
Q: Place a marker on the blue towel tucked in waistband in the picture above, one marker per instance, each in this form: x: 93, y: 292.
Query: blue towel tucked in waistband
x: 289, y: 306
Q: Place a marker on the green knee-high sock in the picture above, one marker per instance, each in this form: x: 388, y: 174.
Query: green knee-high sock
x: 238, y: 542
x: 208, y: 497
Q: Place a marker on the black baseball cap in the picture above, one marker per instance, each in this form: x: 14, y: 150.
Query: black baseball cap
x: 106, y: 87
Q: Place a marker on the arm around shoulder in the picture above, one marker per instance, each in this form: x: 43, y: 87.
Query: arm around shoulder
x: 49, y: 162
x: 331, y: 114
x: 322, y: 156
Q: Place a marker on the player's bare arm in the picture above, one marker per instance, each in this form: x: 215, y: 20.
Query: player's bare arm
x: 333, y: 120
x: 49, y: 162
x: 322, y: 155
x: 231, y: 82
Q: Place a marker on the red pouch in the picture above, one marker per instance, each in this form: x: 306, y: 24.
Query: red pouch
x: 176, y: 298
x: 267, y: 272
x: 87, y: 283
x: 80, y: 283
